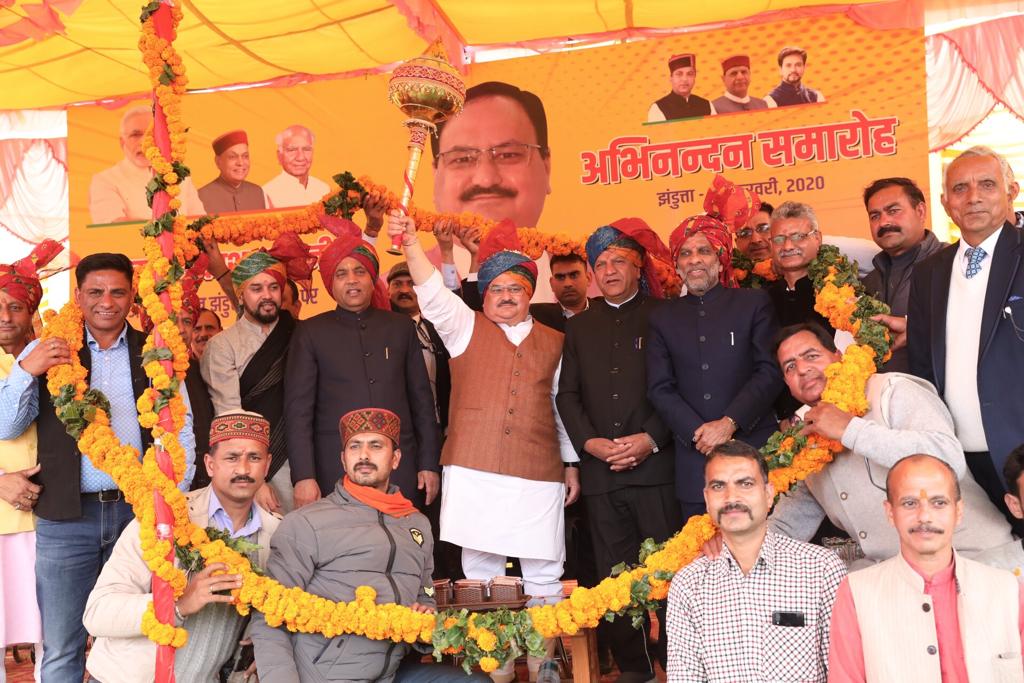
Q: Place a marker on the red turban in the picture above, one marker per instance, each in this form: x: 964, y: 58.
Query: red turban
x: 350, y: 242
x: 21, y: 279
x: 730, y: 203
x: 190, y: 285
x: 719, y: 237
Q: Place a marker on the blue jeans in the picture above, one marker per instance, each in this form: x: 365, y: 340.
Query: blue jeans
x: 69, y: 557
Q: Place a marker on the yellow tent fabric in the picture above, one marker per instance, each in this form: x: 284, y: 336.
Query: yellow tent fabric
x: 85, y: 50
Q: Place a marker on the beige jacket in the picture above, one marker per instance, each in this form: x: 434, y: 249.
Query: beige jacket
x: 113, y: 613
x: 907, y: 416
x: 897, y: 624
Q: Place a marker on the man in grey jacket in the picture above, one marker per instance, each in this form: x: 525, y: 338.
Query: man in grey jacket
x: 365, y: 533
x: 897, y: 217
x: 905, y: 416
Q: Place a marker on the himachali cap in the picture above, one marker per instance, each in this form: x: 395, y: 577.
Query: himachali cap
x: 682, y: 61
x: 370, y: 421
x: 240, y: 424
x: 735, y: 61
x: 229, y: 140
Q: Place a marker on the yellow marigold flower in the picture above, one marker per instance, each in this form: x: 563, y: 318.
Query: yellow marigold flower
x: 488, y: 664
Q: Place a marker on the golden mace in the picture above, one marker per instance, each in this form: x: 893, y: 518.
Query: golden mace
x: 429, y: 91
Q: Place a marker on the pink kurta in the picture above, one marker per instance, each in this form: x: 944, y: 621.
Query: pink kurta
x: 846, y: 653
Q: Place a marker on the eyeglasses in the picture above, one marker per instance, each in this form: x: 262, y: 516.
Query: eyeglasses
x: 795, y: 238
x: 508, y: 154
x: 514, y: 290
x: 760, y: 229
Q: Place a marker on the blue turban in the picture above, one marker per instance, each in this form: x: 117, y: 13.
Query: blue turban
x: 506, y: 262
x: 608, y: 236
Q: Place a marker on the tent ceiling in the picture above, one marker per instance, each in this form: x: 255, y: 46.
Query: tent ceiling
x: 58, y: 52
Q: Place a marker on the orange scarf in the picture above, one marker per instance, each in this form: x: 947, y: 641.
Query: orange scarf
x: 392, y: 504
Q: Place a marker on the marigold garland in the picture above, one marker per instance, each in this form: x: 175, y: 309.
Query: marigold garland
x: 487, y: 639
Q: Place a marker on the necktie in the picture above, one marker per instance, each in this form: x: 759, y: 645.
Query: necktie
x: 424, y: 335
x: 975, y: 255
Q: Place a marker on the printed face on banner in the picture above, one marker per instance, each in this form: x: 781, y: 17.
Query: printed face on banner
x: 737, y: 81
x: 295, y: 152
x: 493, y: 187
x: 132, y: 131
x: 233, y: 163
x: 608, y: 163
x: 792, y: 69
x: 683, y: 79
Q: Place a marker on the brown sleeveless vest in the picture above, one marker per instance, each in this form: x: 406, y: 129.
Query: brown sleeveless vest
x: 501, y: 417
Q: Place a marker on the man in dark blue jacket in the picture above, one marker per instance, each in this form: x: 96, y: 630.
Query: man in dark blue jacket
x: 710, y: 371
x: 965, y: 317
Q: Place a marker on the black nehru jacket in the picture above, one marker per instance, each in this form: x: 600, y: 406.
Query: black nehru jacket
x: 711, y: 356
x: 602, y: 392
x: 61, y: 471
x: 340, y: 361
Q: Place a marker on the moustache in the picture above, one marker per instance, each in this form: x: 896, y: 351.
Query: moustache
x: 734, y: 507
x: 886, y: 229
x: 791, y: 252
x: 506, y: 302
x: 243, y: 479
x: 407, y: 297
x: 477, y: 190
x: 265, y: 302
x: 926, y: 528
x: 365, y: 463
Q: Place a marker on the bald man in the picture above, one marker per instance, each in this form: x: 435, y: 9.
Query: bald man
x: 928, y: 614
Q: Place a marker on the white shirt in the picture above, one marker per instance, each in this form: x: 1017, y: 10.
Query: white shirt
x: 963, y: 341
x: 285, y: 190
x: 118, y: 194
x: 495, y: 513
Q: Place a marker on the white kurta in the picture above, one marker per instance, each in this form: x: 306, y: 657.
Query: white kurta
x: 285, y: 190
x: 119, y: 194
x: 495, y: 513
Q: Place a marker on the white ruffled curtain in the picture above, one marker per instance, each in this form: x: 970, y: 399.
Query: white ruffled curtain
x: 970, y: 70
x: 34, y: 190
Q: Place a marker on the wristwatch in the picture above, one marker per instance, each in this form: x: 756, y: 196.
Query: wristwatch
x: 654, y: 444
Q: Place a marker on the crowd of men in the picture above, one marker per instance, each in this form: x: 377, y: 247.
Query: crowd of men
x: 430, y: 426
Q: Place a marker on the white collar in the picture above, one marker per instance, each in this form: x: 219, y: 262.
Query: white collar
x: 729, y: 96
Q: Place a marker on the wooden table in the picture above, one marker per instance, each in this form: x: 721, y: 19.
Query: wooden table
x: 583, y: 645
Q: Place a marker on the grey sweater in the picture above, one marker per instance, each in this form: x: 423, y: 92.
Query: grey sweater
x: 330, y: 548
x: 906, y: 416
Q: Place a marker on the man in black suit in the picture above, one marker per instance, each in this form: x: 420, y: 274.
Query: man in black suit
x: 711, y: 374
x: 626, y: 461
x: 569, y: 281
x: 975, y: 354
x: 356, y: 355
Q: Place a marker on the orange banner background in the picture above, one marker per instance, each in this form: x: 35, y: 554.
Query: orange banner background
x: 591, y: 97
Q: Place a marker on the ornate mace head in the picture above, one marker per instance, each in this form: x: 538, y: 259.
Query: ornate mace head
x: 427, y: 88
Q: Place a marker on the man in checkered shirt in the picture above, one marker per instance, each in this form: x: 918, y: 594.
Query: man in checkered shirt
x: 761, y: 610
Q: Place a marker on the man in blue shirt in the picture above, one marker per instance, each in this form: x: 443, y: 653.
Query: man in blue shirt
x: 80, y: 510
